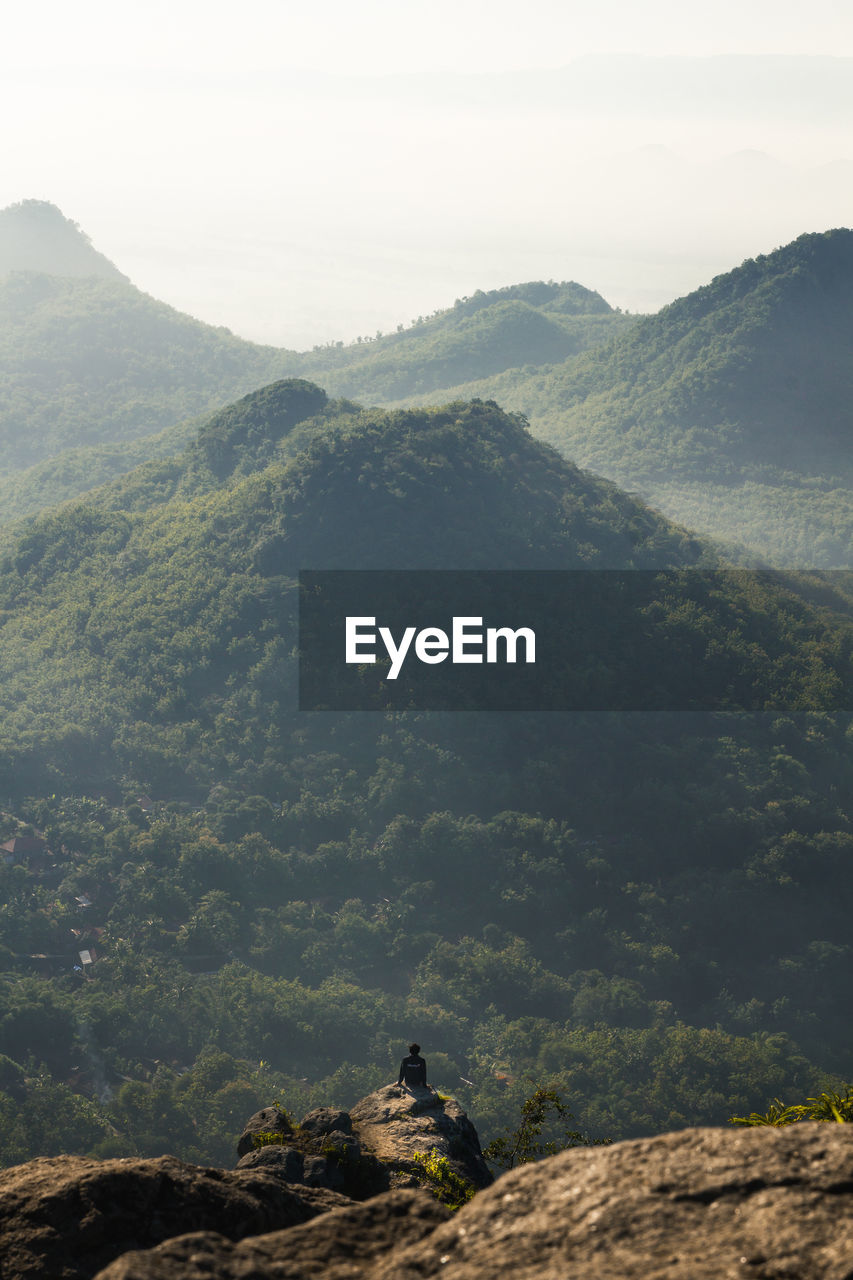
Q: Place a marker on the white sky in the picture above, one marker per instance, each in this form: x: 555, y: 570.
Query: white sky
x: 373, y: 37
x: 309, y: 174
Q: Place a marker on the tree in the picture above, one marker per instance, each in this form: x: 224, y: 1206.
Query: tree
x: 523, y: 1145
x: 832, y: 1106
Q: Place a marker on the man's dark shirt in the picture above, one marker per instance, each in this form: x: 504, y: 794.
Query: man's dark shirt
x: 413, y: 1071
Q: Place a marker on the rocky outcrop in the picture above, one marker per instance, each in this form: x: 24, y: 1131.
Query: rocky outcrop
x: 369, y: 1149
x: 703, y: 1204
x: 348, y: 1244
x: 322, y: 1151
x: 396, y: 1124
x: 68, y: 1216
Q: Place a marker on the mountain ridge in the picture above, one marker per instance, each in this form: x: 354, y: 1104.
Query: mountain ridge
x: 90, y: 362
x: 36, y: 236
x: 728, y: 409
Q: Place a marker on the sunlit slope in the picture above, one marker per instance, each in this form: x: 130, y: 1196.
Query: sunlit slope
x: 755, y: 370
x: 92, y: 371
x: 86, y: 361
x: 522, y: 325
x: 730, y: 408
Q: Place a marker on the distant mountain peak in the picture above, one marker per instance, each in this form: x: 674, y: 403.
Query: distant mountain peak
x: 565, y: 296
x: 746, y: 378
x: 36, y: 236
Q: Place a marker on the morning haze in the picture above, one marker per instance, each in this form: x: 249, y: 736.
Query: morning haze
x: 302, y: 205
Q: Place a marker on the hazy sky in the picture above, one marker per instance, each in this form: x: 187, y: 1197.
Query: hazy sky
x: 375, y: 37
x: 310, y: 174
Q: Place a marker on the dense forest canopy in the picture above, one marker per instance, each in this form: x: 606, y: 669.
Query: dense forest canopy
x: 650, y: 912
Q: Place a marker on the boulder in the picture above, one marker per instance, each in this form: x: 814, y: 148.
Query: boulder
x: 394, y: 1125
x: 321, y: 1171
x: 66, y: 1217
x: 326, y: 1120
x: 341, y: 1143
x: 287, y: 1162
x: 347, y: 1246
x: 267, y: 1120
x: 702, y: 1204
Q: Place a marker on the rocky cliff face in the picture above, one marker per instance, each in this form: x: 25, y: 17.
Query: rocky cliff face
x: 756, y: 1204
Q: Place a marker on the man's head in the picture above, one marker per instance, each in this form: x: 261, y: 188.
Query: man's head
x: 414, y: 1048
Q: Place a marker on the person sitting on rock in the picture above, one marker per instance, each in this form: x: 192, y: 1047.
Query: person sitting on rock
x: 413, y: 1069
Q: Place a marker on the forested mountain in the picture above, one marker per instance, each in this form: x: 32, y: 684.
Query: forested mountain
x: 523, y: 325
x: 34, y: 236
x: 753, y: 372
x: 730, y: 408
x: 186, y: 563
x: 650, y: 912
x: 92, y: 361
x: 92, y: 370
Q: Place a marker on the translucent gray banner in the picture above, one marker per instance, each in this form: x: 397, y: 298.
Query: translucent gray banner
x: 598, y: 640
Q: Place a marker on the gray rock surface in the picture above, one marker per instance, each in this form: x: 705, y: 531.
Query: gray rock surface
x: 267, y: 1120
x: 393, y: 1124
x: 371, y: 1148
x: 320, y: 1171
x: 287, y: 1162
x: 702, y: 1204
x: 66, y: 1217
x: 326, y: 1120
x: 345, y: 1247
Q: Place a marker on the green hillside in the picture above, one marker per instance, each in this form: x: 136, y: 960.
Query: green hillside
x: 523, y: 325
x: 94, y: 373
x: 753, y: 371
x: 729, y: 409
x: 650, y: 912
x: 86, y: 361
x: 34, y: 236
x: 185, y: 564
